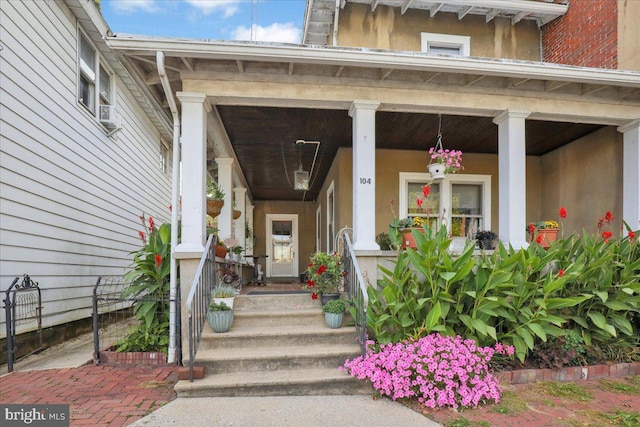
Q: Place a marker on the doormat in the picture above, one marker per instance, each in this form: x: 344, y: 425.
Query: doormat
x: 275, y: 292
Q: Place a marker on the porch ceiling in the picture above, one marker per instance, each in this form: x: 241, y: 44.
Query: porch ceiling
x: 263, y: 139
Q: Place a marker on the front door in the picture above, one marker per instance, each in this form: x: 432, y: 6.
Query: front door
x: 282, y: 245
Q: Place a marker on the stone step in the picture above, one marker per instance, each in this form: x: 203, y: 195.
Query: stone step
x: 306, y: 382
x: 276, y: 318
x: 268, y: 336
x: 219, y: 361
x: 275, y: 302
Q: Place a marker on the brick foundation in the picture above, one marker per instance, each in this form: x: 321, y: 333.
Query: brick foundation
x: 572, y: 373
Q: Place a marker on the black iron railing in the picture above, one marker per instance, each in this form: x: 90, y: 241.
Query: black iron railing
x: 197, y: 304
x: 356, y: 288
x: 22, y: 304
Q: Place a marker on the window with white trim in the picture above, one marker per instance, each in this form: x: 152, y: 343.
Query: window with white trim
x: 445, y: 44
x: 461, y: 202
x: 164, y: 154
x: 95, y: 82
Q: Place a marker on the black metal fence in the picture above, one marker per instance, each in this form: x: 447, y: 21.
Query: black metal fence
x: 356, y: 288
x: 23, y: 308
x: 113, y: 316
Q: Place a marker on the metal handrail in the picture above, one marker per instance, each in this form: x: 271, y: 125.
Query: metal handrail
x: 197, y: 304
x: 356, y: 289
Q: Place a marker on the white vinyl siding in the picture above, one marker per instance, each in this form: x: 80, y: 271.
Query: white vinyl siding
x: 70, y: 197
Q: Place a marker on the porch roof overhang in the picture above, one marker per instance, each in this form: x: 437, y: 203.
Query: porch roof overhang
x: 266, y: 96
x: 320, y: 14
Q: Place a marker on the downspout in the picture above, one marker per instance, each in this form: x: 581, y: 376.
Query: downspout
x: 175, y: 205
x: 336, y: 14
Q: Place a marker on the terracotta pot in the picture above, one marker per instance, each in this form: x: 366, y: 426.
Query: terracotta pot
x: 407, y: 238
x: 548, y: 235
x: 236, y: 214
x: 214, y: 207
x: 221, y: 251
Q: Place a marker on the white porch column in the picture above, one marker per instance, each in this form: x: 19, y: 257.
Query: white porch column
x: 631, y: 174
x: 240, y: 195
x: 195, y: 108
x: 249, y: 216
x: 225, y: 182
x: 364, y: 174
x: 512, y: 173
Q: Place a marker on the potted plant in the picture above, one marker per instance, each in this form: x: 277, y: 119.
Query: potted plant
x: 334, y: 313
x: 223, y: 293
x: 220, y: 317
x: 215, y: 198
x: 237, y: 251
x: 544, y: 232
x: 444, y: 162
x: 324, y: 274
x: 486, y: 239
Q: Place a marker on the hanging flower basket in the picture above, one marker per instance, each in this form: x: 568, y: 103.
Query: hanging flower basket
x: 236, y: 214
x: 437, y: 171
x: 214, y: 207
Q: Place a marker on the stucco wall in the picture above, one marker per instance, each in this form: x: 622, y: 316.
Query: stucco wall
x: 389, y: 164
x: 387, y: 28
x: 628, y: 35
x: 586, y: 178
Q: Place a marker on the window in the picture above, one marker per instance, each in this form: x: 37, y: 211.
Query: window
x: 164, y: 155
x: 446, y: 44
x: 94, y: 80
x: 461, y: 202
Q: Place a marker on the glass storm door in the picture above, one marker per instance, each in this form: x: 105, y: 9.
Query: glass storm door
x: 282, y: 245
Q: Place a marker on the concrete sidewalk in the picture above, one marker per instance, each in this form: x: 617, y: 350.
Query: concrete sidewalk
x: 119, y: 396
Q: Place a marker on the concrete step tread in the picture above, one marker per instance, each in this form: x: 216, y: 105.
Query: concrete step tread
x: 279, y: 312
x: 311, y: 328
x: 259, y: 378
x: 285, y: 352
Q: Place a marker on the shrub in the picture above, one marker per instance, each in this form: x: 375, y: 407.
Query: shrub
x: 335, y: 306
x: 440, y: 371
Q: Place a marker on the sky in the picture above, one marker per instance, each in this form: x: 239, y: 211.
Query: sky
x: 273, y: 20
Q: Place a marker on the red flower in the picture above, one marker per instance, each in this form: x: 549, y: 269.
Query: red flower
x: 608, y: 216
x: 560, y: 273
x: 532, y: 228
x: 314, y: 296
x: 539, y: 239
x: 151, y: 223
x: 310, y: 265
x: 426, y: 189
x: 562, y: 212
x: 606, y: 235
x: 632, y: 235
x: 310, y: 283
x: 419, y: 202
x: 322, y: 269
x: 141, y: 234
x: 158, y: 260
x: 170, y: 208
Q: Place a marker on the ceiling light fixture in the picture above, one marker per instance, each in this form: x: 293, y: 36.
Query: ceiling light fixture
x: 302, y: 178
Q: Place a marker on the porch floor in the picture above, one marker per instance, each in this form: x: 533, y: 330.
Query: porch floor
x: 277, y: 285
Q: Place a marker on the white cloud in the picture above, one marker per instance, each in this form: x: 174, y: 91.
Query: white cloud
x: 276, y: 32
x: 207, y: 7
x: 129, y: 6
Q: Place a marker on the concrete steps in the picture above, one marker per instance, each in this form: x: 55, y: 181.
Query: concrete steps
x: 278, y: 345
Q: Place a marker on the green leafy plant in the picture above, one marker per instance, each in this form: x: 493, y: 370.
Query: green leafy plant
x: 335, y: 306
x: 384, y: 241
x: 219, y: 306
x: 214, y: 191
x: 324, y: 274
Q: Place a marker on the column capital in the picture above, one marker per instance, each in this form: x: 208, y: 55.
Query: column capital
x: 195, y: 98
x: 629, y: 126
x: 510, y: 114
x: 240, y: 190
x: 224, y: 160
x: 363, y: 104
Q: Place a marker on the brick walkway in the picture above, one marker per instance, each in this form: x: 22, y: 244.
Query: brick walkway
x: 98, y: 395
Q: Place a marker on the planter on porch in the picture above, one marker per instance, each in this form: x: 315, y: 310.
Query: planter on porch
x: 236, y: 214
x: 407, y: 238
x: 325, y: 298
x: 547, y: 236
x: 220, y: 321
x: 214, y: 207
x: 437, y: 171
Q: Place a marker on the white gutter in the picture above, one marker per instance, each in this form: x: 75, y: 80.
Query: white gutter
x: 175, y: 203
x: 361, y: 57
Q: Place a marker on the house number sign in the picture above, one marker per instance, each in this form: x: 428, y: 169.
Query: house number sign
x: 365, y: 180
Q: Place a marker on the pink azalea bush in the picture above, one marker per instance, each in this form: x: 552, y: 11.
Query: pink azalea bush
x: 438, y: 370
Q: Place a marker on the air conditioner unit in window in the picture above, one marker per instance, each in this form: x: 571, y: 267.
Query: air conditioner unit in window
x: 107, y: 116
